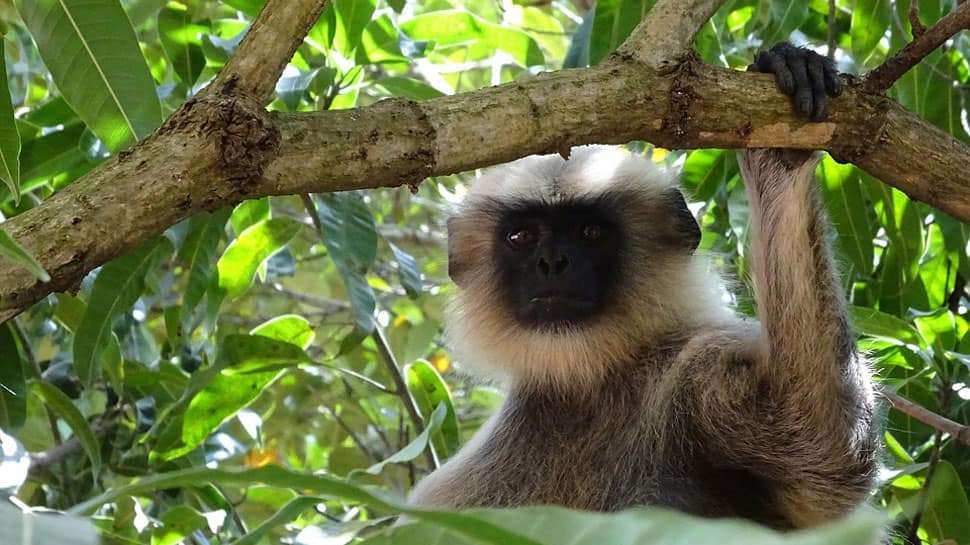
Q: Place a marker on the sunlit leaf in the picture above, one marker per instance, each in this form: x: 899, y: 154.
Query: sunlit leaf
x: 93, y: 55
x: 352, y: 18
x: 430, y: 393
x: 251, y: 248
x: 460, y: 28
x: 197, y: 254
x: 290, y: 328
x: 613, y: 22
x: 870, y: 21
x: 9, y: 136
x: 182, y: 38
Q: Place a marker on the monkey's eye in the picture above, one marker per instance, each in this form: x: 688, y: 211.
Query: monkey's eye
x: 592, y: 231
x: 521, y: 237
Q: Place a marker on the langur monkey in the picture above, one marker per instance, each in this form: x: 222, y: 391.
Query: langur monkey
x: 630, y: 382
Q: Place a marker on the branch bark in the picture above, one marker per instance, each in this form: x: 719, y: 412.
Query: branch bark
x: 924, y: 42
x: 268, y: 45
x: 665, y: 35
x: 220, y: 149
x: 940, y: 423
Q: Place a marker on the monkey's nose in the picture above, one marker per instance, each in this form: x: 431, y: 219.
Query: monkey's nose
x: 557, y: 266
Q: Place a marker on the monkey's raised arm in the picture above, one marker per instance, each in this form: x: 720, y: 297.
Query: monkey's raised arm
x: 811, y: 382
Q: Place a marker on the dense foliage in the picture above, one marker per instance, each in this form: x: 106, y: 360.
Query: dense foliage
x: 276, y: 371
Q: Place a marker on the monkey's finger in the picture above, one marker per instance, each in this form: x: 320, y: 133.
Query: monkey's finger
x: 772, y: 63
x: 816, y: 75
x: 833, y: 81
x: 803, y: 86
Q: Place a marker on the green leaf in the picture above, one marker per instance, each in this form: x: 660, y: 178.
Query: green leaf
x: 460, y: 28
x: 870, y: 22
x: 9, y: 135
x: 524, y: 526
x: 413, y: 449
x: 13, y: 382
x: 786, y: 16
x: 94, y: 58
x: 902, y: 221
x: 198, y: 254
x: 350, y: 235
x: 289, y: 328
x: 578, y: 54
x: 707, y: 170
x: 947, y: 513
x: 255, y: 245
x: 249, y: 213
x: 177, y: 523
x: 286, y: 514
x: 9, y: 249
x: 181, y: 39
x: 70, y: 311
x: 254, y: 362
x: 400, y: 86
x: 878, y: 324
x: 430, y: 393
x: 352, y: 18
x: 117, y: 287
x: 408, y: 269
x: 849, y: 212
x: 62, y: 405
x: 50, y: 155
x: 613, y: 22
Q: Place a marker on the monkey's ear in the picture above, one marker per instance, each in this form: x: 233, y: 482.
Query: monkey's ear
x: 456, y: 268
x: 685, y: 232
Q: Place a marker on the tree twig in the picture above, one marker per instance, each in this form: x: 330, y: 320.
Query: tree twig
x: 268, y: 45
x: 958, y: 431
x: 883, y: 76
x: 665, y: 35
x: 915, y: 24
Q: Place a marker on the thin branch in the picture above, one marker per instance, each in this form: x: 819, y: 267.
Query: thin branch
x: 831, y: 34
x: 268, y: 45
x: 958, y: 431
x: 914, y: 23
x: 666, y: 34
x: 883, y: 76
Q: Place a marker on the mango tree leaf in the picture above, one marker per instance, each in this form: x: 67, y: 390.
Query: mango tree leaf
x: 881, y: 325
x: 9, y: 136
x: 197, y: 254
x: 849, y: 212
x: 57, y: 401
x: 93, y: 56
x: 181, y: 38
x: 900, y: 218
x: 177, y: 524
x: 612, y: 23
x: 578, y: 55
x: 52, y: 154
x: 284, y: 515
x: 414, y: 449
x: 9, y: 249
x: 350, y: 235
x: 249, y: 364
x: 409, y: 271
x: 118, y: 285
x: 706, y: 170
x: 430, y: 392
x: 352, y: 18
x: 249, y: 213
x: 13, y: 383
x: 870, y: 21
x: 785, y: 17
x: 947, y: 513
x: 407, y: 87
x: 460, y: 28
x: 289, y: 328
x: 251, y: 248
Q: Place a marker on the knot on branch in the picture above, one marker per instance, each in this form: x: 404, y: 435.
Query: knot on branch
x: 244, y: 134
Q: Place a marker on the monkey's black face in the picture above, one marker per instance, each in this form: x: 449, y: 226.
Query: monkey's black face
x: 557, y: 265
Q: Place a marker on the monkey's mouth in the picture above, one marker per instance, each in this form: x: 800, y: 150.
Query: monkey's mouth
x: 556, y: 309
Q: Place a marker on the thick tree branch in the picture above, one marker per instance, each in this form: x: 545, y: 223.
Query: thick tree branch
x: 220, y: 149
x: 924, y: 42
x: 956, y: 430
x: 665, y: 35
x: 269, y: 44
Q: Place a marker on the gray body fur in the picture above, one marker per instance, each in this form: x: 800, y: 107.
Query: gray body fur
x: 705, y: 413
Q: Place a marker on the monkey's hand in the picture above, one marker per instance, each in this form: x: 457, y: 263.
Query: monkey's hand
x: 809, y: 78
